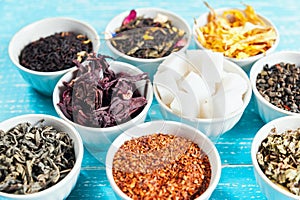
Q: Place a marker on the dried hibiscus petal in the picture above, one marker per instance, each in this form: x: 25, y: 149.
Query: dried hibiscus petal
x: 97, y: 97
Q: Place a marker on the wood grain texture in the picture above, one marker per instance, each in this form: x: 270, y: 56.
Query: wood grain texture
x: 17, y: 97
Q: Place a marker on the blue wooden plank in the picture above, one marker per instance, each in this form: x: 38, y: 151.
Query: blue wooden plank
x: 92, y: 184
x: 237, y: 182
x: 235, y: 145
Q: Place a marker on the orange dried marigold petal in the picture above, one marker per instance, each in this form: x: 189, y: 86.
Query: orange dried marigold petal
x: 238, y: 34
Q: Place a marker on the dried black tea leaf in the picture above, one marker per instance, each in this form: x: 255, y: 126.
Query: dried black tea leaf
x: 97, y: 97
x: 33, y: 157
x: 142, y: 37
x: 279, y: 158
x: 55, y: 52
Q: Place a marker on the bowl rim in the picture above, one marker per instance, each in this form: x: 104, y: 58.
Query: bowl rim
x: 119, y: 140
x: 12, y: 52
x: 256, y: 142
x: 256, y: 68
x: 251, y: 58
x: 143, y: 11
x: 246, y: 99
x: 121, y: 126
x: 77, y: 166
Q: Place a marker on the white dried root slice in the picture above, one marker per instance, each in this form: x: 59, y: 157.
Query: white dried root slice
x: 166, y: 94
x: 233, y: 81
x: 186, y: 105
x: 209, y: 66
x: 194, y: 85
x: 206, y: 109
x: 166, y: 85
x: 176, y: 62
x: 225, y: 103
x: 228, y: 99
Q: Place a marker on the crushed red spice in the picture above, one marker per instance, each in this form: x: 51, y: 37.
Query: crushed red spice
x: 161, y: 166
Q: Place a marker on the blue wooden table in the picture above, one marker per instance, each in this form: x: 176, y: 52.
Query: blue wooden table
x: 17, y: 97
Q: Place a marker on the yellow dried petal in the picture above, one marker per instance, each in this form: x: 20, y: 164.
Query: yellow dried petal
x: 181, y: 32
x: 148, y: 37
x: 238, y: 34
x: 86, y: 41
x: 252, y: 16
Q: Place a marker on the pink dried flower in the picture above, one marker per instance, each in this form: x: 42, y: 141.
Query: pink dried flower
x: 181, y: 43
x: 130, y: 17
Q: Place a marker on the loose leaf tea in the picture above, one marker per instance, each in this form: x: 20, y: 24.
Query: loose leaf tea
x: 33, y: 157
x: 279, y: 84
x: 279, y: 158
x: 97, y: 97
x: 235, y: 33
x: 142, y: 37
x: 55, y: 52
x: 161, y: 166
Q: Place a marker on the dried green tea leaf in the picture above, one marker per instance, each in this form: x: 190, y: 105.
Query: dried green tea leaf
x: 33, y: 158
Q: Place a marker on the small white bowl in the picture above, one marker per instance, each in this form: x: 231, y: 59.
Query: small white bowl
x: 44, y: 82
x: 266, y: 110
x: 98, y: 140
x: 146, y: 65
x: 244, y: 63
x: 213, y: 127
x: 64, y: 187
x: 270, y: 189
x: 167, y: 127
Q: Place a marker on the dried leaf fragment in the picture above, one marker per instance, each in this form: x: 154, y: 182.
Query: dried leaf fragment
x: 280, y: 161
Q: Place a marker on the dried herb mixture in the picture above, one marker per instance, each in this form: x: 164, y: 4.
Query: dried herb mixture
x: 144, y: 37
x: 279, y: 158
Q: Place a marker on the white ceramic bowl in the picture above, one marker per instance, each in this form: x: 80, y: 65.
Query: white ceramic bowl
x: 213, y: 127
x: 244, y: 63
x: 98, y: 140
x: 270, y: 189
x: 167, y: 127
x: 64, y: 187
x: 266, y: 110
x: 44, y: 82
x: 146, y: 65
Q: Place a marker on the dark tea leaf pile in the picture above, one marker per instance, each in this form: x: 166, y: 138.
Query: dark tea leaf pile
x: 142, y: 37
x: 280, y: 85
x: 279, y: 158
x: 55, y: 52
x: 97, y: 97
x: 33, y: 157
